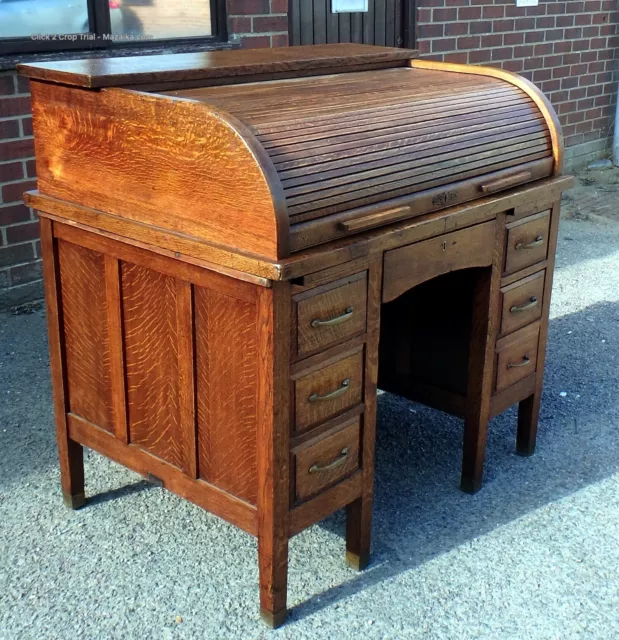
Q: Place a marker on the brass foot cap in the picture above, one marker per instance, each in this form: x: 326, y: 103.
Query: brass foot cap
x: 470, y: 485
x: 356, y: 561
x: 76, y: 501
x: 274, y: 620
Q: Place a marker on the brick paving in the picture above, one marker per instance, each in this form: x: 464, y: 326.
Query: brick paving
x: 596, y: 193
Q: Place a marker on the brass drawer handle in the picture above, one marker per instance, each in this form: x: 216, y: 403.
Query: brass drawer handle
x: 524, y: 307
x: 334, y: 394
x: 530, y: 245
x: 334, y: 321
x: 525, y: 361
x: 339, y: 461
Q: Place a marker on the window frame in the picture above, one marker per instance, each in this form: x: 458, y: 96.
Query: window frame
x: 100, y: 24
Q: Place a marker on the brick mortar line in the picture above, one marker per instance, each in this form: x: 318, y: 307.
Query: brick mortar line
x: 20, y: 116
x: 18, y: 224
x: 14, y: 95
x: 258, y: 15
x: 20, y: 264
x: 260, y: 33
x: 12, y: 287
x: 12, y: 245
x: 2, y: 184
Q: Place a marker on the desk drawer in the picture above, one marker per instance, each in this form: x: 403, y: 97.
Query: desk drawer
x: 328, y: 391
x: 408, y: 266
x: 331, y: 313
x: 527, y: 242
x: 326, y: 459
x: 522, y: 302
x: 517, y: 358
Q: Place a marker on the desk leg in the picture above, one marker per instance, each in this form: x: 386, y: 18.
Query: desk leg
x: 528, y: 414
x: 273, y: 467
x: 481, y: 368
x: 359, y: 512
x: 70, y: 453
x: 358, y: 533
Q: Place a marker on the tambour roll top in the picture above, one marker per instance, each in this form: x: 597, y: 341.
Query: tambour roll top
x: 273, y: 166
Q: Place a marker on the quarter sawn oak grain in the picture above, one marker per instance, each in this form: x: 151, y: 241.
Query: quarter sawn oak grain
x: 239, y: 247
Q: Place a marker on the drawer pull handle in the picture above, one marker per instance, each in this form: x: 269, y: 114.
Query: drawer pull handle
x: 375, y: 220
x: 334, y: 321
x: 524, y: 307
x: 315, y: 468
x: 343, y: 388
x: 506, y: 182
x: 530, y: 245
x: 525, y: 361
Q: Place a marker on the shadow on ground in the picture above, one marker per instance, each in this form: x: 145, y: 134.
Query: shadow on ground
x: 419, y: 512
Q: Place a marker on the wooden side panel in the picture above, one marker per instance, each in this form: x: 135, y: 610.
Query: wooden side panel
x: 226, y: 372
x: 143, y: 157
x: 82, y: 284
x: 151, y: 352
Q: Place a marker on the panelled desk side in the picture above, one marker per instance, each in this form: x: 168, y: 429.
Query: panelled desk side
x: 248, y: 386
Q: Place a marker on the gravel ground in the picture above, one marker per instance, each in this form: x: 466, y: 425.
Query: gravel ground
x: 534, y: 555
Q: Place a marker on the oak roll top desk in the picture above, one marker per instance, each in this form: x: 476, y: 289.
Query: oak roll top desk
x: 240, y: 247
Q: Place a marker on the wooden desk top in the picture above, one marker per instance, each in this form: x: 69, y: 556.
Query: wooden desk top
x: 263, y: 271
x: 142, y: 70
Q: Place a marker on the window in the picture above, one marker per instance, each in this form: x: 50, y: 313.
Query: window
x: 50, y: 25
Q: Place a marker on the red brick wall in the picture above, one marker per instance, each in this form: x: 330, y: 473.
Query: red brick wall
x: 569, y: 49
x: 256, y: 23
x: 259, y: 23
x: 20, y: 263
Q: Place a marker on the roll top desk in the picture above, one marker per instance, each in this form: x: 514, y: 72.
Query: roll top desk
x: 241, y: 247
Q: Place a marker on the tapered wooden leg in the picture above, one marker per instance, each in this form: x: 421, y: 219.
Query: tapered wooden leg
x: 359, y: 512
x: 273, y: 565
x: 481, y: 366
x: 71, y: 456
x: 528, y: 415
x: 478, y: 389
x: 70, y: 453
x: 273, y: 460
x: 358, y: 533
x: 475, y: 432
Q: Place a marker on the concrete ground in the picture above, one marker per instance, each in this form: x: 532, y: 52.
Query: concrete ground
x: 535, y: 554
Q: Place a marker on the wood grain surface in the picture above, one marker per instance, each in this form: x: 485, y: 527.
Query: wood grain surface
x: 151, y: 348
x: 416, y: 263
x: 347, y: 297
x: 340, y: 142
x: 183, y: 67
x: 541, y: 101
x: 142, y: 156
x: 86, y: 334
x: 327, y: 459
x: 527, y: 198
x: 70, y: 452
x: 226, y: 373
x: 324, y: 382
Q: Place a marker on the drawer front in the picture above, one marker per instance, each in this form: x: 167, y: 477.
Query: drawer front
x: 328, y: 391
x: 518, y: 359
x: 332, y: 314
x: 326, y: 460
x: 527, y: 242
x: 408, y: 266
x: 522, y: 303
